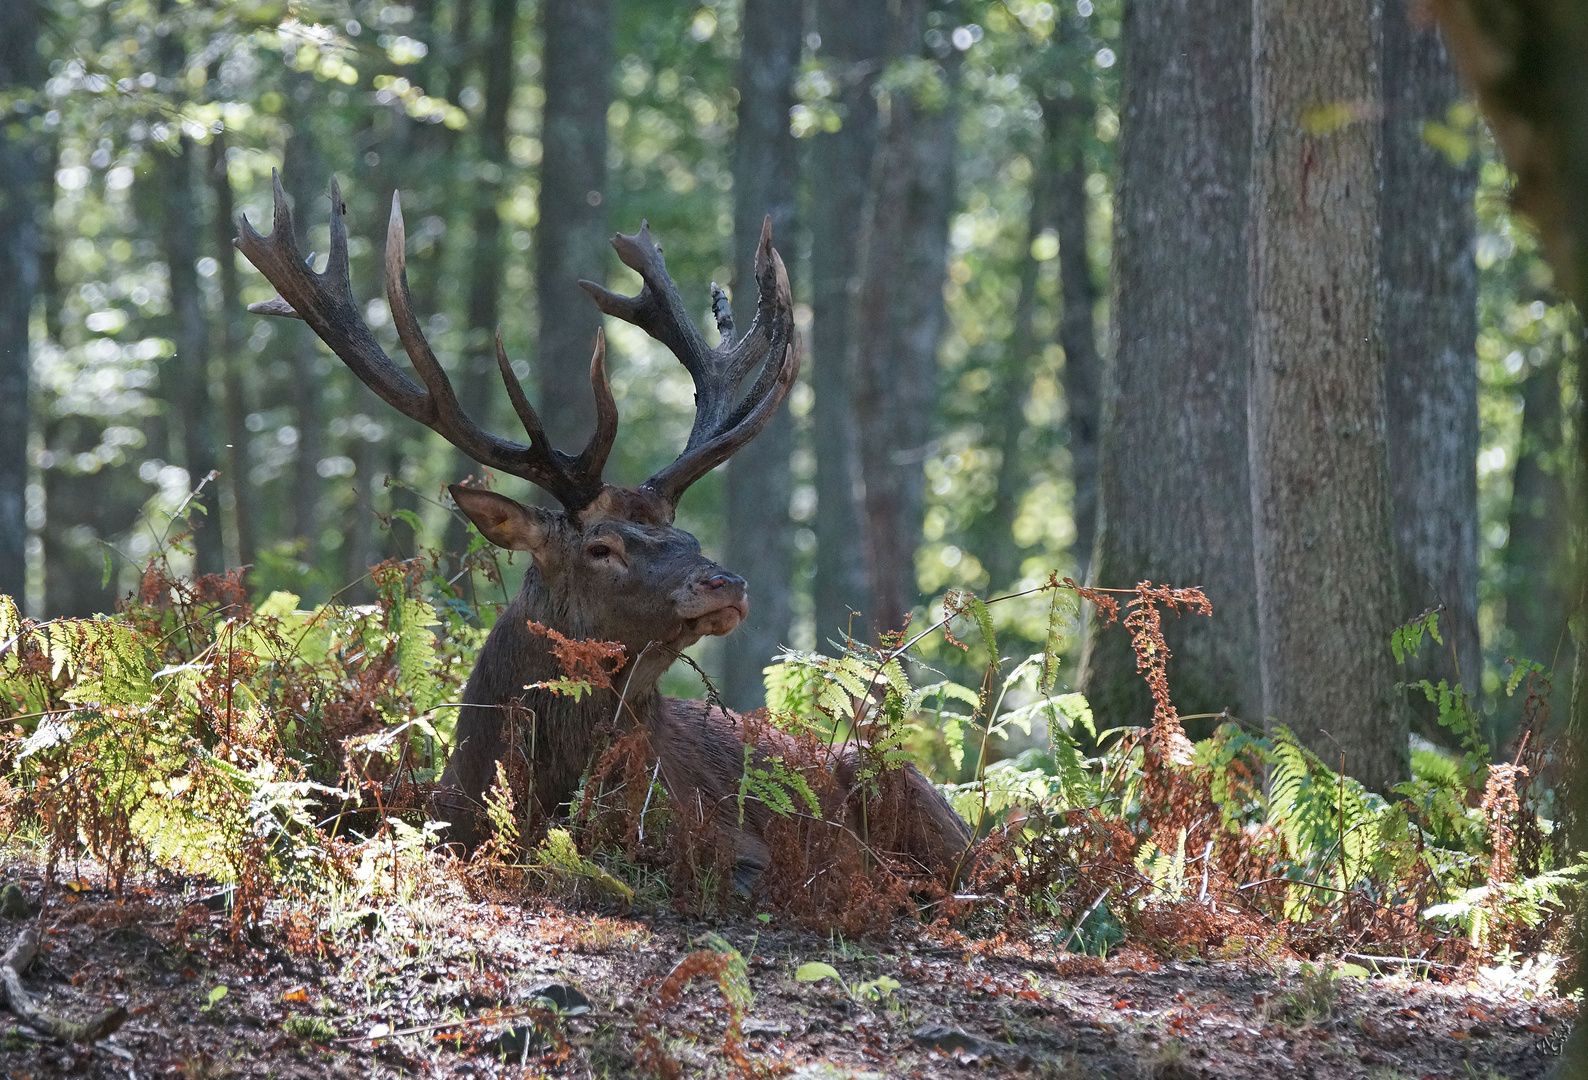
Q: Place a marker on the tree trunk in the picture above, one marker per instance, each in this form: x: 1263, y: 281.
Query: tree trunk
x: 479, y: 384
x: 186, y: 381
x: 20, y: 192
x: 1537, y: 553
x: 1524, y: 62
x: 1430, y: 290
x: 1173, y: 494
x: 765, y: 180
x: 898, y: 318
x: 571, y: 240
x: 1061, y: 82
x: 993, y: 531
x: 1067, y: 124
x: 301, y: 176
x: 237, y: 484
x: 853, y: 35
x: 1322, y: 524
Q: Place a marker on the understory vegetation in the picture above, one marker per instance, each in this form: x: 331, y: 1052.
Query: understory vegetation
x: 288, y: 753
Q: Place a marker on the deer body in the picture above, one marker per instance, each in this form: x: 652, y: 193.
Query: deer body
x: 609, y: 566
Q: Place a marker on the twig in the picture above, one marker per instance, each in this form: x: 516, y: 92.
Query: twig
x: 1076, y: 929
x: 1399, y: 961
x: 13, y: 964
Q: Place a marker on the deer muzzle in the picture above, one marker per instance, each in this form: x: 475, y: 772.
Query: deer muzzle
x: 713, y: 605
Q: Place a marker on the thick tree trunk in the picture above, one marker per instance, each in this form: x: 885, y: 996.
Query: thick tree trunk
x: 1067, y: 123
x: 1430, y: 289
x: 237, y: 484
x: 853, y: 35
x: 571, y: 240
x: 1173, y: 493
x: 765, y: 181
x: 20, y: 191
x: 1322, y: 525
x: 898, y: 323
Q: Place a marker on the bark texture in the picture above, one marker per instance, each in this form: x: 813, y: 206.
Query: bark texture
x: 1322, y: 525
x: 20, y: 193
x: 1173, y: 494
x: 571, y: 241
x: 898, y: 320
x: 765, y: 180
x: 854, y: 39
x: 1430, y: 290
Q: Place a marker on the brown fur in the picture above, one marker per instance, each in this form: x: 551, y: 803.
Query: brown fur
x: 701, y: 751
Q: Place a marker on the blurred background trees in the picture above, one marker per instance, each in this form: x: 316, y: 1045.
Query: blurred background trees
x: 1018, y: 235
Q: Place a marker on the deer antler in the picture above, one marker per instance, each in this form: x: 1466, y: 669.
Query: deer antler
x: 325, y: 301
x: 721, y: 427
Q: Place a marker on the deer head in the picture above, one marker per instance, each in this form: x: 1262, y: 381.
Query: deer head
x: 611, y: 555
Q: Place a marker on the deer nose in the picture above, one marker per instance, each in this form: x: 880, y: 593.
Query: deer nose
x: 723, y: 581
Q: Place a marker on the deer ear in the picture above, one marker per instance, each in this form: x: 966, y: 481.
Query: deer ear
x: 502, y: 521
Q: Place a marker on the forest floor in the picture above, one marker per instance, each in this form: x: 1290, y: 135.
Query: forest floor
x: 446, y: 987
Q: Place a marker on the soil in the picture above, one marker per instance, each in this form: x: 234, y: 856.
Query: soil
x: 452, y: 988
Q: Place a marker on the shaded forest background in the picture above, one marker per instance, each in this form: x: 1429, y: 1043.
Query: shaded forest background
x: 1022, y: 280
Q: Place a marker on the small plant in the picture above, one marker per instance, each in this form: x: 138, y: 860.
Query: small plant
x: 876, y: 989
x: 1316, y: 990
x: 214, y: 998
x: 314, y: 1029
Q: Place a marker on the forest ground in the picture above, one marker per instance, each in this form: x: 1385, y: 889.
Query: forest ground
x: 301, y: 1003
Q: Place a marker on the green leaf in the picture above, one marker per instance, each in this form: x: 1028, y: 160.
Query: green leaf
x: 215, y: 997
x: 816, y: 971
x: 984, y: 623
x: 410, y: 518
x: 877, y: 989
x: 1355, y: 971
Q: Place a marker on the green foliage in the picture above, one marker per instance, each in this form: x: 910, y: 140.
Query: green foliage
x: 776, y: 784
x: 1407, y: 639
x: 875, y: 989
x: 209, y: 736
x: 558, y: 857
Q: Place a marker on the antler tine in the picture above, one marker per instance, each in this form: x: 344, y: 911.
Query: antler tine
x: 720, y: 427
x: 593, y: 459
x: 325, y: 301
x: 326, y: 304
x: 515, y: 394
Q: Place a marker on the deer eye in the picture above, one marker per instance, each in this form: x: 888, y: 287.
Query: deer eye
x: 598, y: 551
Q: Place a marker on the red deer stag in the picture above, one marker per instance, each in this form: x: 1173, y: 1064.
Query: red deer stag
x: 609, y: 565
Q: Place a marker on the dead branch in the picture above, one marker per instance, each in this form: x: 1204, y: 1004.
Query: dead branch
x: 13, y: 964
